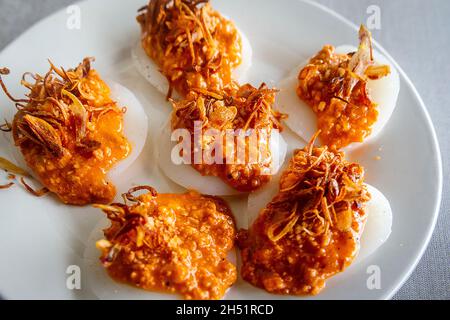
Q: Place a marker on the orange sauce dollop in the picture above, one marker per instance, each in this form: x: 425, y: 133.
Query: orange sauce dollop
x: 195, y: 47
x: 79, y: 176
x: 244, y: 108
x: 176, y: 243
x: 311, y: 229
x: 342, y: 118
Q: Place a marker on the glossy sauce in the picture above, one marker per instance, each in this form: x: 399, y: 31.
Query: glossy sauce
x: 291, y: 248
x: 79, y: 177
x: 246, y: 173
x: 187, y: 68
x: 184, y: 250
x: 321, y: 83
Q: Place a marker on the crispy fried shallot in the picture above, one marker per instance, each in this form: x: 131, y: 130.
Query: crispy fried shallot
x: 192, y: 44
x: 335, y: 87
x: 177, y: 243
x: 246, y: 108
x: 311, y: 228
x: 69, y: 132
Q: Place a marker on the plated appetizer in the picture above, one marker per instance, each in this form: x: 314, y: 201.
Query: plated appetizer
x: 348, y: 94
x: 186, y: 44
x: 175, y: 243
x: 247, y: 116
x: 77, y: 132
x: 311, y: 227
x: 71, y: 132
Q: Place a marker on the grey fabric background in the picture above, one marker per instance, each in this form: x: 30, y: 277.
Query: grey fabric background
x: 417, y: 34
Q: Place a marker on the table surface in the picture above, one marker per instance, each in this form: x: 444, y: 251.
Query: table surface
x: 416, y: 33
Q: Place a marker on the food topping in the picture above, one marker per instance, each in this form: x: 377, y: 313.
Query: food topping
x: 70, y: 132
x: 335, y: 86
x: 311, y: 229
x: 193, y: 45
x: 246, y: 109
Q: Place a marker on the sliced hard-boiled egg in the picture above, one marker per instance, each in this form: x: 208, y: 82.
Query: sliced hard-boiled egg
x: 103, y: 286
x: 377, y: 227
x: 101, y: 283
x: 189, y: 178
x: 150, y: 70
x: 301, y: 117
x: 135, y: 127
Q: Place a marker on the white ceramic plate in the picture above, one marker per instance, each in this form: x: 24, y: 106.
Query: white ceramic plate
x: 41, y: 238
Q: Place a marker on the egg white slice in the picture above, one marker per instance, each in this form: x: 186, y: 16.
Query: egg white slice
x: 377, y: 227
x: 189, y: 178
x: 104, y: 287
x: 135, y: 127
x: 150, y: 70
x: 302, y: 119
x: 241, y: 71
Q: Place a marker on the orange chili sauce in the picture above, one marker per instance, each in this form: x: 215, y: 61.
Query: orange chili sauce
x: 184, y: 250
x: 300, y: 262
x: 182, y: 71
x: 81, y: 178
x: 255, y: 169
x: 340, y: 123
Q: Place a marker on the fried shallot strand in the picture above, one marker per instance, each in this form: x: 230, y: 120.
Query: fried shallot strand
x: 38, y: 193
x: 320, y: 189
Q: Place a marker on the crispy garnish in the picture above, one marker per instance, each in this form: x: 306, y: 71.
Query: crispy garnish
x: 6, y: 127
x: 321, y: 187
x: 38, y: 193
x: 7, y: 165
x: 54, y: 102
x: 6, y: 186
x: 12, y: 169
x: 69, y: 131
x: 311, y: 228
x: 130, y: 194
x: 220, y: 110
x: 43, y: 133
x: 193, y: 45
x: 358, y: 63
x: 6, y: 71
x: 239, y: 109
x: 377, y: 72
x: 171, y: 242
x: 335, y: 87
